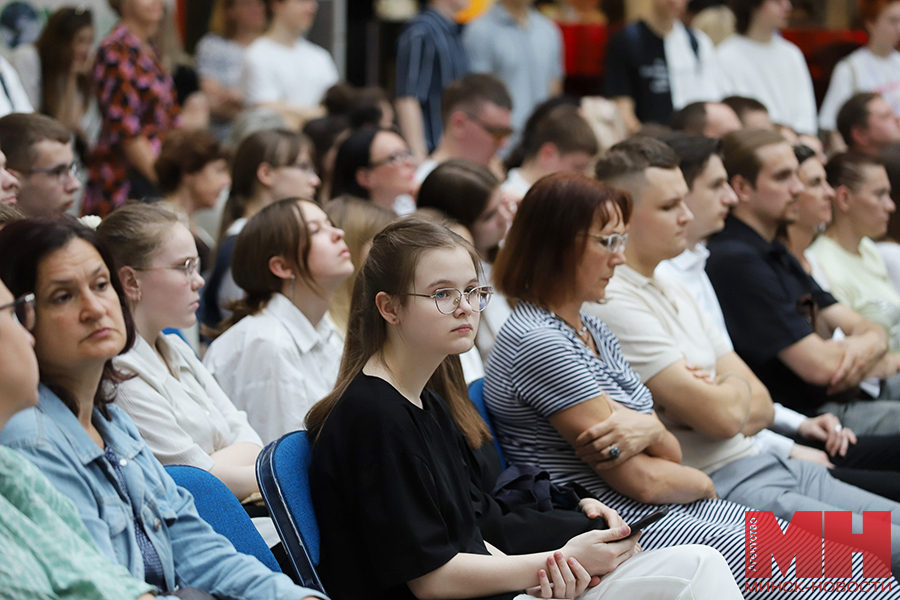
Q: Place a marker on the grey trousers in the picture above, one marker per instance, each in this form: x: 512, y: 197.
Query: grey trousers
x: 785, y: 485
x: 866, y: 417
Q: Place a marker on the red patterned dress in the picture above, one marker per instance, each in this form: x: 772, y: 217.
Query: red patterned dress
x: 137, y: 98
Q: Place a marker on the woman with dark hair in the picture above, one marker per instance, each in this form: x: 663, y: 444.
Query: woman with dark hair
x: 88, y: 448
x: 56, y: 70
x: 559, y: 389
x: 376, y: 165
x: 279, y: 354
x: 268, y: 165
x: 387, y: 451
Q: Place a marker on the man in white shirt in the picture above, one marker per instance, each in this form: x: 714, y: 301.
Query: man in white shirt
x: 476, y: 111
x: 758, y: 63
x: 707, y: 396
x: 283, y: 70
x: 13, y: 97
x: 709, y: 198
x: 560, y: 141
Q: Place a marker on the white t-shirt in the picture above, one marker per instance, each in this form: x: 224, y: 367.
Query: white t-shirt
x: 13, y: 97
x: 861, y: 71
x: 693, y: 76
x: 515, y: 185
x: 298, y: 75
x: 775, y: 73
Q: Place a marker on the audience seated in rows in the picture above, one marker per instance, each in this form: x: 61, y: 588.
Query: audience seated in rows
x: 268, y: 165
x: 278, y: 354
x: 658, y: 65
x: 376, y: 165
x: 40, y: 154
x: 271, y: 77
x: 776, y: 314
x: 89, y: 448
x: 559, y: 390
x: 397, y: 343
x: 707, y: 396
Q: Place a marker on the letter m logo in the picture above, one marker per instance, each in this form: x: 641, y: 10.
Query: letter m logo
x: 765, y: 540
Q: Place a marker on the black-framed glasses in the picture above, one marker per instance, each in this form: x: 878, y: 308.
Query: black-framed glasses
x: 498, y: 132
x: 614, y: 242
x: 23, y: 310
x: 188, y: 267
x: 395, y: 159
x: 62, y: 172
x: 447, y: 299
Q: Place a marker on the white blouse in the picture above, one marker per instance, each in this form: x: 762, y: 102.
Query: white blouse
x: 183, y: 414
x: 275, y: 365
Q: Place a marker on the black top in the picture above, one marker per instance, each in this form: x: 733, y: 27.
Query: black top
x: 391, y: 491
x: 519, y: 530
x: 766, y: 297
x: 636, y: 67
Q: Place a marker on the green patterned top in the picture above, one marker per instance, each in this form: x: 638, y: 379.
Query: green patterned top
x: 45, y: 549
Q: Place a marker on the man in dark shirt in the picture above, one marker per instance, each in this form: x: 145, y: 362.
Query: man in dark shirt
x: 781, y: 322
x: 429, y: 56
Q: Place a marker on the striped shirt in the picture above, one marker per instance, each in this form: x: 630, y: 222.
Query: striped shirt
x: 539, y: 367
x: 429, y: 56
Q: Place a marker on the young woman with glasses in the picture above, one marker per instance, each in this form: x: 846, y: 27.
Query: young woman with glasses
x: 180, y: 410
x: 279, y: 353
x: 376, y: 165
x: 390, y: 486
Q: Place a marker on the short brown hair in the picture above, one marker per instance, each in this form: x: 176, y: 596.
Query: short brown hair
x: 742, y: 105
x: 185, y: 152
x: 853, y: 113
x: 565, y: 128
x: 740, y: 151
x: 471, y: 91
x: 847, y: 169
x: 625, y: 164
x: 20, y: 132
x: 538, y: 260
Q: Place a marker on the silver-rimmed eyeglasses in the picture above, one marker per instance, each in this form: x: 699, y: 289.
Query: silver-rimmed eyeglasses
x: 614, y: 242
x: 23, y: 310
x: 62, y: 172
x: 188, y: 267
x: 447, y: 299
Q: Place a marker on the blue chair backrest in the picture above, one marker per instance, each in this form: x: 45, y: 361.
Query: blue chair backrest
x: 218, y: 506
x: 476, y: 395
x: 282, y: 470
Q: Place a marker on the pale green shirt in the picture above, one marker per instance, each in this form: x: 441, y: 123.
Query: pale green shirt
x: 45, y: 550
x: 861, y: 282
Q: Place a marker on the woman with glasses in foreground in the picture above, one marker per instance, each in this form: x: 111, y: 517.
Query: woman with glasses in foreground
x: 180, y: 410
x: 89, y: 448
x: 279, y: 353
x: 388, y: 476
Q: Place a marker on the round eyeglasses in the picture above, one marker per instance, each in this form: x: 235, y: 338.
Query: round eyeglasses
x: 614, y: 242
x: 23, y: 310
x: 447, y: 299
x: 188, y: 267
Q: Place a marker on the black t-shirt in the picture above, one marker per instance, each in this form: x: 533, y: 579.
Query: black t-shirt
x: 636, y: 67
x: 766, y: 296
x: 522, y: 530
x: 391, y: 492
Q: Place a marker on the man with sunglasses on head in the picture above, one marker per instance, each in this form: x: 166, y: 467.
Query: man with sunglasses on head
x: 476, y: 111
x: 40, y: 154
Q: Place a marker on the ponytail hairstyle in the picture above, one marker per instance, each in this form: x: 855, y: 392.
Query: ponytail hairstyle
x: 391, y: 268
x: 279, y: 229
x: 135, y: 232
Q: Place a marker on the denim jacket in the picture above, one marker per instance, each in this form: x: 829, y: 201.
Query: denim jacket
x: 192, y: 554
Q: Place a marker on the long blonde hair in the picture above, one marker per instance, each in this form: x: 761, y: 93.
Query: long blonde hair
x: 391, y: 268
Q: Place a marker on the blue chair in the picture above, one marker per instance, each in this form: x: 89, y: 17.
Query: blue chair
x: 282, y: 470
x: 476, y: 395
x: 218, y: 506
